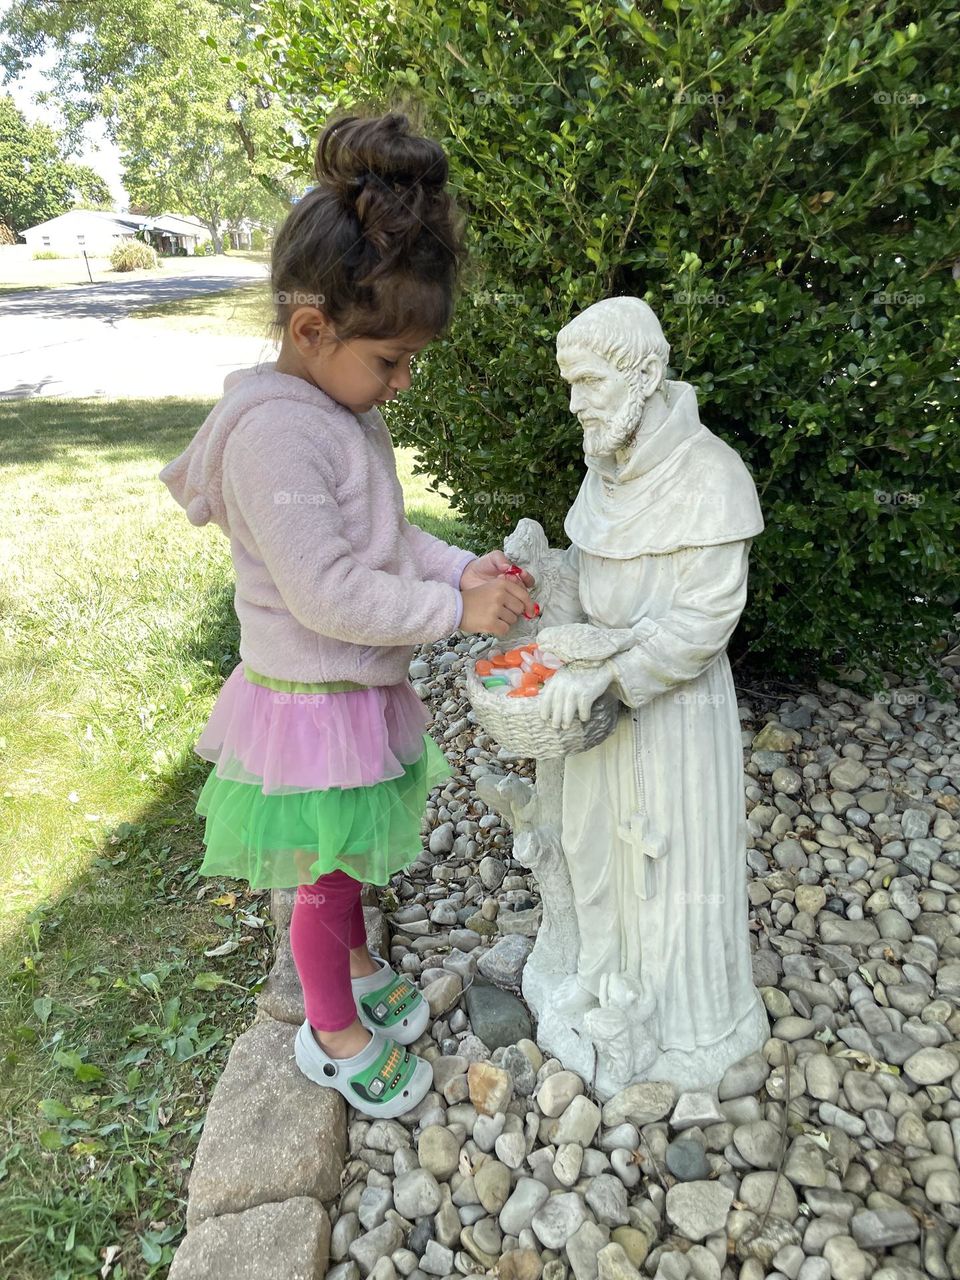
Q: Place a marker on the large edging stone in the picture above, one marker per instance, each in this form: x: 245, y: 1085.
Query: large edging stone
x: 288, y: 1240
x: 269, y: 1134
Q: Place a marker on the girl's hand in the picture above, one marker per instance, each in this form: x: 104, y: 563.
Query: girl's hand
x: 489, y: 567
x: 494, y: 606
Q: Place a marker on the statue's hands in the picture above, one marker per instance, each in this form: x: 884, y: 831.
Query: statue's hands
x: 572, y: 691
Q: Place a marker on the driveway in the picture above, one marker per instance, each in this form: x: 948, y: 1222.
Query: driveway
x: 78, y: 341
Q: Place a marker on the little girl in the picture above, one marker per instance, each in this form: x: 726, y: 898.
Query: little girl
x: 318, y: 738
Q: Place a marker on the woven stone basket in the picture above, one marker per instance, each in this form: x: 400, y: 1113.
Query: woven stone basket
x: 516, y: 723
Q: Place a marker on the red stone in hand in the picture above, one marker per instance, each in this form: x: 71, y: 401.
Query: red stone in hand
x: 518, y: 573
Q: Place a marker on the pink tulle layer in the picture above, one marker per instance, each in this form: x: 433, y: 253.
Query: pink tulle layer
x: 288, y: 742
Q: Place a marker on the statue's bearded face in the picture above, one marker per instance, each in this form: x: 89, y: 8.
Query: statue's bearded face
x: 607, y: 402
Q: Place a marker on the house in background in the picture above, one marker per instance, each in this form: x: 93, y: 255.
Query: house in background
x: 82, y: 229
x: 240, y: 234
x: 96, y: 232
x: 173, y: 232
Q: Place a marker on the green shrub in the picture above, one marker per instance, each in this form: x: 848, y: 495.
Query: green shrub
x: 258, y: 241
x: 780, y: 183
x: 133, y: 255
x: 44, y: 255
x: 204, y: 249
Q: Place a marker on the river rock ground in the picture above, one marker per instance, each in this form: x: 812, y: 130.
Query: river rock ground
x: 832, y: 1154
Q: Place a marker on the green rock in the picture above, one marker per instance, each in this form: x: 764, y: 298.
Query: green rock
x: 635, y: 1244
x: 480, y: 924
x: 809, y: 897
x: 774, y: 737
x: 496, y: 1016
x: 777, y: 1002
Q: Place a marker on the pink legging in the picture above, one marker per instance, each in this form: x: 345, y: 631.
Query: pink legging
x: 326, y: 925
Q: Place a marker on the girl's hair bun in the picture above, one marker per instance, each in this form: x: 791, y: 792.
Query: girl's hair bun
x: 389, y: 177
x: 378, y: 153
x: 377, y: 243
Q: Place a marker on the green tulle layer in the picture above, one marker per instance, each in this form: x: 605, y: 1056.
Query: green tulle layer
x: 279, y: 841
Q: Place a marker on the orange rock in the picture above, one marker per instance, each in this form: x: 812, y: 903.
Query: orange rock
x: 490, y: 1087
x: 483, y: 667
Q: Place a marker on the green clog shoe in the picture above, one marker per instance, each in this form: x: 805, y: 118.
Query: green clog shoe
x: 389, y: 1002
x: 383, y: 1080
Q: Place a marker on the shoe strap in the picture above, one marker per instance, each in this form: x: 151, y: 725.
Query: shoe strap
x: 398, y: 996
x: 389, y: 1073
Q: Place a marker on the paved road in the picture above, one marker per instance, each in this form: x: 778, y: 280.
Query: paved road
x: 79, y: 341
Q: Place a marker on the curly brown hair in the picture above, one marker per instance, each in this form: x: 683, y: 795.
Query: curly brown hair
x: 378, y: 243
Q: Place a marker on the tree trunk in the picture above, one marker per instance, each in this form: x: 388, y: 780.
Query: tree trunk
x: 215, y: 236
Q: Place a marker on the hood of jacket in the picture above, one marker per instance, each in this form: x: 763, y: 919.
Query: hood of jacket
x: 195, y: 477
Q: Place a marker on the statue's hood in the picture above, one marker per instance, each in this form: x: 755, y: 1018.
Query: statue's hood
x: 680, y: 486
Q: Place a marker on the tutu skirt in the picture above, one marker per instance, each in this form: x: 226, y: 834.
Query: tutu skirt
x: 310, y: 778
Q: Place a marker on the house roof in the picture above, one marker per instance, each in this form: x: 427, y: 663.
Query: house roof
x: 187, y: 219
x: 172, y: 223
x: 177, y: 223
x: 125, y: 221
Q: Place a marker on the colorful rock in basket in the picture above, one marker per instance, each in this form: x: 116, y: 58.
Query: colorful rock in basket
x: 521, y: 672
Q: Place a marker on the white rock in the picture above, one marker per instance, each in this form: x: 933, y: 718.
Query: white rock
x: 698, y: 1209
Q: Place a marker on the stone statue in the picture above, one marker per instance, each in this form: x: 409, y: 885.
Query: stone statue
x: 641, y: 970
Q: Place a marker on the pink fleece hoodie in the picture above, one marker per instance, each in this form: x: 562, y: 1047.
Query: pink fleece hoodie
x: 332, y: 581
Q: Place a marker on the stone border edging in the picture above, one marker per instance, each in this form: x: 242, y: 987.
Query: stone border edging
x: 273, y: 1145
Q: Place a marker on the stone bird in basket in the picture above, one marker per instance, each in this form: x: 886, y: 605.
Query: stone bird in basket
x: 585, y: 651
x: 527, y: 547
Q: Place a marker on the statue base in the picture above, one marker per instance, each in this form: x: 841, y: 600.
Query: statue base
x: 564, y: 1036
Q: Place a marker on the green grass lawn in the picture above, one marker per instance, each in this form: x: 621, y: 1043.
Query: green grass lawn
x: 246, y: 310
x: 20, y: 273
x: 125, y: 975
x: 23, y: 288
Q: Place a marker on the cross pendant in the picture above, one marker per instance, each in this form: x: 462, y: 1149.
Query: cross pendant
x: 647, y: 847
